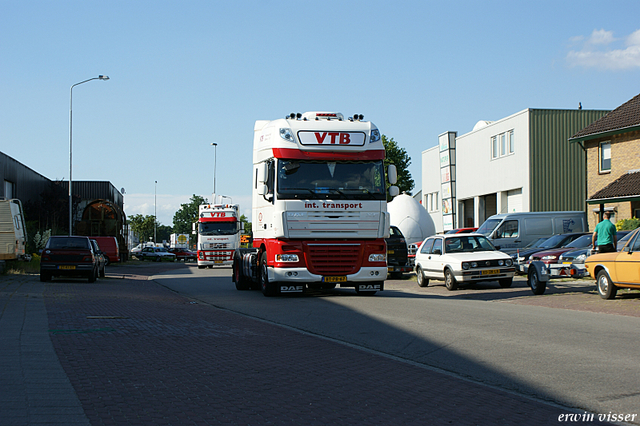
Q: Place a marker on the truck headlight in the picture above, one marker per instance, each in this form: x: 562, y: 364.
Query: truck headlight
x: 286, y: 257
x: 375, y: 136
x: 287, y: 135
x: 380, y: 257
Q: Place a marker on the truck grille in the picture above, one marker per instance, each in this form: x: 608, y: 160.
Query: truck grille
x: 333, y: 259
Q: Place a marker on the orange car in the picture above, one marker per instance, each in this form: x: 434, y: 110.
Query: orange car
x: 616, y: 270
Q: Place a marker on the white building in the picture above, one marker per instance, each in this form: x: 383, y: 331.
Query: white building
x: 523, y: 162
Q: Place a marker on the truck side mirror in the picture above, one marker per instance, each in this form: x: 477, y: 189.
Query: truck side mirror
x: 392, y: 174
x: 262, y: 189
x: 394, y: 190
x: 262, y: 173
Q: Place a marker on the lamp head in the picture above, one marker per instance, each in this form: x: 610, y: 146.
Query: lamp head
x: 103, y: 77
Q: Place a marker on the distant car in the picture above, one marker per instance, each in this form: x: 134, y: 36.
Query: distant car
x: 462, y: 258
x: 618, y: 269
x: 157, y: 254
x: 71, y: 256
x: 397, y: 253
x: 551, y: 256
x: 461, y: 231
x: 102, y: 261
x: 183, y: 254
x: 110, y: 248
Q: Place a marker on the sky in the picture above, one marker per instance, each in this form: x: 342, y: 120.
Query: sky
x: 186, y: 74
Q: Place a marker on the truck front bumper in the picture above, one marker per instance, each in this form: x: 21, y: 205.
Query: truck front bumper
x: 302, y: 275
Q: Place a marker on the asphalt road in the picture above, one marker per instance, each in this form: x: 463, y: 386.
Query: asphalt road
x: 560, y: 347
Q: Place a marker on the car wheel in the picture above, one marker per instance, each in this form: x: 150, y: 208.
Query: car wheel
x: 102, y: 273
x: 449, y: 280
x: 44, y: 277
x: 537, y: 287
x: 422, y: 281
x: 91, y: 278
x: 606, y: 289
x: 506, y: 282
x: 269, y: 289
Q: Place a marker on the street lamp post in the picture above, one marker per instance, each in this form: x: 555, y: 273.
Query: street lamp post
x: 215, y: 156
x: 155, y: 216
x: 100, y: 77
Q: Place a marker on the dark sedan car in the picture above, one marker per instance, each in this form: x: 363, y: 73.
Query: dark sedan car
x: 522, y: 257
x: 71, y: 256
x: 552, y: 256
x: 578, y: 256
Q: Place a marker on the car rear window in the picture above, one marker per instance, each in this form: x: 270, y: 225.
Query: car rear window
x: 68, y: 243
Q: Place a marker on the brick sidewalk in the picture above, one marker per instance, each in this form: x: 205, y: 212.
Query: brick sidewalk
x: 139, y: 354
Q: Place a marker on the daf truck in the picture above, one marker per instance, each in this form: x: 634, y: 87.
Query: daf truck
x: 319, y: 206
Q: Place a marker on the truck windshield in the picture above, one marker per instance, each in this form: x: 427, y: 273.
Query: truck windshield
x: 360, y: 180
x: 217, y: 228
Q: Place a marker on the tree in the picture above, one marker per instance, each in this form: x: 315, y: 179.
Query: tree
x: 142, y: 226
x: 187, y: 215
x: 399, y: 157
x: 245, y: 224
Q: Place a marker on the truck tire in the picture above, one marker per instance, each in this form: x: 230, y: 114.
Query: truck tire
x: 269, y: 289
x: 537, y: 287
x: 422, y: 280
x: 242, y: 283
x: 606, y: 289
x: 449, y: 280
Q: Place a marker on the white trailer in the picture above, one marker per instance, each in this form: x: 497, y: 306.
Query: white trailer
x: 13, y: 235
x: 319, y: 213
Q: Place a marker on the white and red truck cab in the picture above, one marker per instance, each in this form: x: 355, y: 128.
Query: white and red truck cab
x: 319, y: 213
x: 218, y: 230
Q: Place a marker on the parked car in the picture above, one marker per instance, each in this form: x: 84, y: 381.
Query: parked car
x: 622, y: 241
x: 551, y: 256
x: 397, y: 253
x: 102, y: 261
x: 110, y: 248
x: 577, y: 257
x: 462, y: 258
x: 618, y: 269
x: 71, y: 256
x: 522, y: 257
x: 461, y: 231
x: 157, y: 254
x: 183, y: 254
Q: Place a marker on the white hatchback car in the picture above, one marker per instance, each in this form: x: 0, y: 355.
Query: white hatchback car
x: 462, y: 258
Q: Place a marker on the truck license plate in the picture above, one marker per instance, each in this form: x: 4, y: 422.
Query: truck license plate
x: 67, y: 267
x: 334, y: 279
x: 490, y: 272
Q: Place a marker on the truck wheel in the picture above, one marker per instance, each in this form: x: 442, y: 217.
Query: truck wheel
x: 268, y: 289
x: 449, y: 280
x: 606, y: 289
x: 422, y: 281
x: 242, y: 283
x: 506, y: 282
x: 537, y: 287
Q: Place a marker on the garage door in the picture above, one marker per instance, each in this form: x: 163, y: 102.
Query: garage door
x: 514, y: 200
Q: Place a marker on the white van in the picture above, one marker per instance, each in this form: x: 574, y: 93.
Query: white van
x: 13, y: 236
x: 516, y: 230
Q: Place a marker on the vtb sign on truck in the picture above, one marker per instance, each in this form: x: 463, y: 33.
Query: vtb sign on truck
x: 319, y: 213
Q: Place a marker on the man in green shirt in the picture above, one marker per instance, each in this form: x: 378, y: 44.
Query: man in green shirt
x: 605, y: 235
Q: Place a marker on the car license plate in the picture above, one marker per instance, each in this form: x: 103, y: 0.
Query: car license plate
x: 390, y: 252
x: 490, y: 272
x: 334, y: 279
x: 67, y: 267
x: 566, y: 263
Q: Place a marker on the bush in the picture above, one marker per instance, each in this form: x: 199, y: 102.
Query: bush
x: 627, y: 224
x: 18, y: 267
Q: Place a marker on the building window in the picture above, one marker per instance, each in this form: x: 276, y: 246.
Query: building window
x: 605, y: 157
x: 431, y: 202
x: 502, y: 145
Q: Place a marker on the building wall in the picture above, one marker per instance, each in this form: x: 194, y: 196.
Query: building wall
x: 625, y: 156
x: 557, y: 167
x: 431, y: 190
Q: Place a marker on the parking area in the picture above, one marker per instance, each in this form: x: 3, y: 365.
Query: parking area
x: 563, y: 293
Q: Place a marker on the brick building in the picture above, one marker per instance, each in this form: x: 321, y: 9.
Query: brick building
x: 612, y: 146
